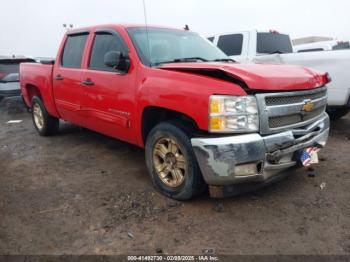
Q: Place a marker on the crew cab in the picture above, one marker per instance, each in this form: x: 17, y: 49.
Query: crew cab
x: 202, y: 118
x: 253, y: 46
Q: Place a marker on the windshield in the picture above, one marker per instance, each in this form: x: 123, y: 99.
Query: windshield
x: 272, y: 43
x: 170, y: 45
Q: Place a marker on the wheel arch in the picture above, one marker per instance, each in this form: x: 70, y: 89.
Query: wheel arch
x: 31, y: 91
x: 46, y: 95
x: 153, y: 115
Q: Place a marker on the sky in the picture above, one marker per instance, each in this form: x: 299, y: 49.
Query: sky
x: 34, y: 27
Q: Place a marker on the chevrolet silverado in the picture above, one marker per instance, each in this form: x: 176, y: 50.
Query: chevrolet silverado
x: 203, y: 119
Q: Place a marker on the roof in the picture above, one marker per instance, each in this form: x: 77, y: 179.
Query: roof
x: 119, y: 26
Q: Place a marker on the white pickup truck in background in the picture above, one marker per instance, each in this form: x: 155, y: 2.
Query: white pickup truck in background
x: 272, y: 47
x: 322, y: 46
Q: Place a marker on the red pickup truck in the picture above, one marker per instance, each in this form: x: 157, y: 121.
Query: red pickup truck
x: 202, y: 118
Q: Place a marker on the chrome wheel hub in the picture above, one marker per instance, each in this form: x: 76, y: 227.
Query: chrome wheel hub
x: 38, y: 116
x: 169, y: 162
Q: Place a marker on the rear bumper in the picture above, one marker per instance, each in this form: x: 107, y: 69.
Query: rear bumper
x: 253, y: 158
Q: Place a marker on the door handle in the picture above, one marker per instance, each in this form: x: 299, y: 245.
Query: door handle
x: 59, y: 77
x: 87, y: 82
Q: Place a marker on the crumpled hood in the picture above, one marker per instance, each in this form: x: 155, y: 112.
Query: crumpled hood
x: 269, y: 77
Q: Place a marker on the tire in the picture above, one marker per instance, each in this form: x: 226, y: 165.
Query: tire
x: 44, y: 123
x: 337, y: 113
x: 192, y: 181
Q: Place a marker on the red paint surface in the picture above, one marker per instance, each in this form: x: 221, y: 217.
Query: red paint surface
x: 261, y: 76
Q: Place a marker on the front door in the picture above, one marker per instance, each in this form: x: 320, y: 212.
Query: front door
x: 108, y: 100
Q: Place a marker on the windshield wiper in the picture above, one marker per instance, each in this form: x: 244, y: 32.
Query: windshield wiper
x: 276, y: 52
x: 190, y: 59
x: 224, y: 60
x: 180, y: 60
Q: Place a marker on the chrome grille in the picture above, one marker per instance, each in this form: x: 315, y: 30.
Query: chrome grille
x: 279, y: 121
x: 282, y: 100
x: 282, y: 111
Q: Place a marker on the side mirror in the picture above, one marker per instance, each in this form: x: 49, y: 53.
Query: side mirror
x: 117, y: 60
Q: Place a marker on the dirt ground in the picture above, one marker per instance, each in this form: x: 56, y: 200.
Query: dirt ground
x: 80, y: 192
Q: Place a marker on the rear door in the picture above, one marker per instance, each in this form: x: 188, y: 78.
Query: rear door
x: 108, y: 94
x: 67, y: 77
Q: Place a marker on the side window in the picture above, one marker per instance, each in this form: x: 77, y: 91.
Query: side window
x: 73, y: 51
x: 231, y: 44
x: 104, y: 43
x: 211, y: 39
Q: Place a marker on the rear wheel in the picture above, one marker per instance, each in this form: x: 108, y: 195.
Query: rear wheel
x: 337, y: 113
x: 44, y: 123
x: 171, y: 162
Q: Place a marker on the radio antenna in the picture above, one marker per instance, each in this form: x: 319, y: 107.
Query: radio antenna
x: 146, y: 23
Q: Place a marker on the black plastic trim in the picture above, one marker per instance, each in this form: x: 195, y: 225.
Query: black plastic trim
x: 79, y: 32
x: 115, y: 33
x: 48, y: 62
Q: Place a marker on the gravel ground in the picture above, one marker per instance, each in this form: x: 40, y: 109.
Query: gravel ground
x: 80, y: 192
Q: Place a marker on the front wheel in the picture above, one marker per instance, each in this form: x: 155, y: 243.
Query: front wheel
x: 44, y: 123
x: 171, y: 162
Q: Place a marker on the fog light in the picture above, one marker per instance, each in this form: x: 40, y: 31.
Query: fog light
x: 246, y: 169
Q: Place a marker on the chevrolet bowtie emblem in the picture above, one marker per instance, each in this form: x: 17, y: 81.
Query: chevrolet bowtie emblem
x: 308, y: 106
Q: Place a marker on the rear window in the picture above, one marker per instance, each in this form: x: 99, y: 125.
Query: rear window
x: 73, y: 51
x: 11, y: 67
x: 271, y: 43
x: 231, y: 44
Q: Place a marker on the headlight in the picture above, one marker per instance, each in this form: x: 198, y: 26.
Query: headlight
x: 233, y: 114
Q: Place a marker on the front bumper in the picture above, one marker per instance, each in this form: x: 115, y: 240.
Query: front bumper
x: 220, y: 159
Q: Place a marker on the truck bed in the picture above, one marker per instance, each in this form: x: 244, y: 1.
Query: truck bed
x: 34, y: 76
